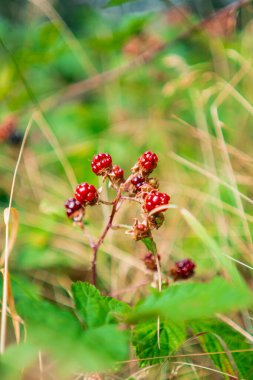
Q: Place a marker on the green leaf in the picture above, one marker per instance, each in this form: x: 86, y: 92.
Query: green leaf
x: 150, y: 244
x: 94, y: 309
x: 15, y: 359
x: 220, y: 337
x: 114, y: 3
x: 186, y: 301
x: 145, y: 341
x: 57, y: 332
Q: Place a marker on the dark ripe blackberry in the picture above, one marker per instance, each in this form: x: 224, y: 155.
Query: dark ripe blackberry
x: 138, y: 181
x: 183, y: 269
x: 72, y: 207
x: 148, y: 162
x: 86, y: 194
x: 101, y: 163
x: 156, y: 199
x: 150, y: 261
x: 15, y: 138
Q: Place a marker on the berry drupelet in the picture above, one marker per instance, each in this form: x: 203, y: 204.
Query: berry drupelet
x: 101, y: 163
x: 74, y: 209
x: 148, y: 162
x: 86, y: 194
x: 183, y: 269
x: 156, y: 199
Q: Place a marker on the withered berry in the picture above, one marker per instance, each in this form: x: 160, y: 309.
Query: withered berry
x: 156, y: 220
x: 101, y: 163
x: 156, y: 199
x: 140, y: 230
x: 183, y: 269
x: 86, y: 194
x: 150, y: 261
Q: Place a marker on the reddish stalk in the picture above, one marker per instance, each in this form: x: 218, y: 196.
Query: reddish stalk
x: 115, y: 208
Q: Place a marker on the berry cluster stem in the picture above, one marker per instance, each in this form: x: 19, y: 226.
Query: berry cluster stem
x: 109, y: 225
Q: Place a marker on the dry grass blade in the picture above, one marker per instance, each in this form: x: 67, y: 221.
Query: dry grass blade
x: 6, y: 253
x: 235, y: 326
x: 16, y: 319
x: 208, y: 369
x: 208, y: 174
x: 230, y: 172
x: 14, y: 231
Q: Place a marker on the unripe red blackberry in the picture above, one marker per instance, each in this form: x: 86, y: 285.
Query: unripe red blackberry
x: 137, y: 181
x: 86, y: 194
x: 101, y: 163
x: 74, y: 209
x: 117, y: 172
x: 183, y: 269
x: 156, y: 199
x: 150, y: 261
x: 148, y: 162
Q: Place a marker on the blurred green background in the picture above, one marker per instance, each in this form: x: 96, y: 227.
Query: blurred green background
x: 122, y: 77
x: 191, y: 104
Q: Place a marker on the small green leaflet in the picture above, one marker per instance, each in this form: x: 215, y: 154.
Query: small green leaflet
x: 150, y: 244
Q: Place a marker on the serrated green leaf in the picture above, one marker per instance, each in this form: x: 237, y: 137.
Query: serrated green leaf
x: 218, y: 335
x: 187, y: 301
x: 59, y: 333
x: 145, y: 341
x: 94, y: 309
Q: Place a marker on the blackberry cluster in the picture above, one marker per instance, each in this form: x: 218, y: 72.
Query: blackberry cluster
x: 148, y: 162
x: 86, y: 194
x: 101, y: 163
x: 156, y: 199
x: 138, y: 186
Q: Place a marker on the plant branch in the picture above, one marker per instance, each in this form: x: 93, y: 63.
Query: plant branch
x: 116, y: 203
